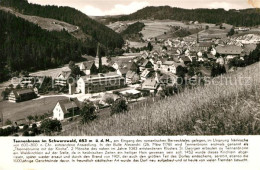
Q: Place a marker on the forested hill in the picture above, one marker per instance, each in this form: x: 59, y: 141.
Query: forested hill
x: 25, y: 46
x: 246, y: 17
x: 98, y: 31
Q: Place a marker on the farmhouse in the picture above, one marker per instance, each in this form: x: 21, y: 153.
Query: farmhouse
x: 229, y: 52
x: 100, y: 82
x: 22, y: 95
x: 63, y: 78
x: 66, y: 108
x: 88, y: 67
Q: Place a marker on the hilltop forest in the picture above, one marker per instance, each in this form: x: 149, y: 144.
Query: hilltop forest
x: 246, y: 17
x: 97, y: 31
x: 25, y: 46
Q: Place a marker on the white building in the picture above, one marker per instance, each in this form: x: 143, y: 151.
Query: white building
x: 66, y: 108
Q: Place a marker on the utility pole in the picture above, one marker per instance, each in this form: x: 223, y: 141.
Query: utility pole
x: 2, y: 117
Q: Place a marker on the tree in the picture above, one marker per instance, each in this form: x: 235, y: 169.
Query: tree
x: 150, y: 46
x: 109, y: 100
x: 88, y: 112
x: 231, y: 32
x: 25, y: 127
x: 134, y: 67
x: 48, y: 126
x: 119, y: 106
x: 8, y: 122
x: 75, y: 70
x: 26, y: 133
x: 30, y: 118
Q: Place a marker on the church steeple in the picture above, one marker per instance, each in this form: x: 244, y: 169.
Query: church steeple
x: 98, y: 58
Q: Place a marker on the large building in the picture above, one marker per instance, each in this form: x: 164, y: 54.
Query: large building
x: 229, y: 51
x: 19, y: 95
x: 100, y: 83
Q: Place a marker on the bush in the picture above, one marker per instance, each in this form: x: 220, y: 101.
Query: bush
x: 48, y: 126
x: 119, y: 106
x: 88, y: 112
x: 25, y: 127
x: 26, y: 133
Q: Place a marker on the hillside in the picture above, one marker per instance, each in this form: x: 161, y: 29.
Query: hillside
x: 221, y: 107
x: 132, y: 32
x: 96, y: 30
x: 247, y: 17
x: 26, y: 46
x: 50, y: 24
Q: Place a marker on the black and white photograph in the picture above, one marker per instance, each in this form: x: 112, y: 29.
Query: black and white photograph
x: 131, y: 68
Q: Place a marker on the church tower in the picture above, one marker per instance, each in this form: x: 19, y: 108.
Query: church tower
x: 98, y: 58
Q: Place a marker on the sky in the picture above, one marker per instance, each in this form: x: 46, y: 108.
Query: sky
x: 118, y: 7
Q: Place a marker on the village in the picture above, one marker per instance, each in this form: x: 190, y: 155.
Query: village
x: 161, y: 69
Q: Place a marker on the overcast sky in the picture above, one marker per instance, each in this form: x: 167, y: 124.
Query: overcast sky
x: 116, y: 7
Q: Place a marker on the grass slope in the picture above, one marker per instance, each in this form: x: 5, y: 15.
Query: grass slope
x: 220, y: 109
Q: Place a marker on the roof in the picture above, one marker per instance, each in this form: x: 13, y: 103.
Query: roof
x: 149, y: 84
x: 186, y: 58
x: 101, y: 76
x: 229, y: 49
x: 65, y: 74
x: 210, y: 56
x: 145, y: 62
x: 110, y: 95
x: 18, y: 92
x: 87, y: 65
x: 131, y: 91
x: 206, y: 44
x: 249, y: 48
x: 145, y: 73
x: 67, y: 104
x: 130, y: 74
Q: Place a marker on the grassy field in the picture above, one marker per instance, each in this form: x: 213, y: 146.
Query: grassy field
x: 19, y: 111
x: 222, y: 108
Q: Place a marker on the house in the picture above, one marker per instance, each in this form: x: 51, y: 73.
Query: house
x: 146, y: 74
x: 205, y: 46
x: 158, y: 63
x: 146, y: 64
x: 211, y: 57
x: 135, y: 93
x: 132, y: 77
x: 150, y: 84
x: 66, y: 108
x: 170, y: 66
x: 63, y: 78
x: 229, y: 51
x: 100, y: 82
x: 88, y: 68
x: 20, y: 95
x: 106, y: 96
x: 122, y: 66
x: 185, y: 59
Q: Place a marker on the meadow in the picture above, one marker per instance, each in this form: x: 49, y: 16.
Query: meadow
x: 226, y: 105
